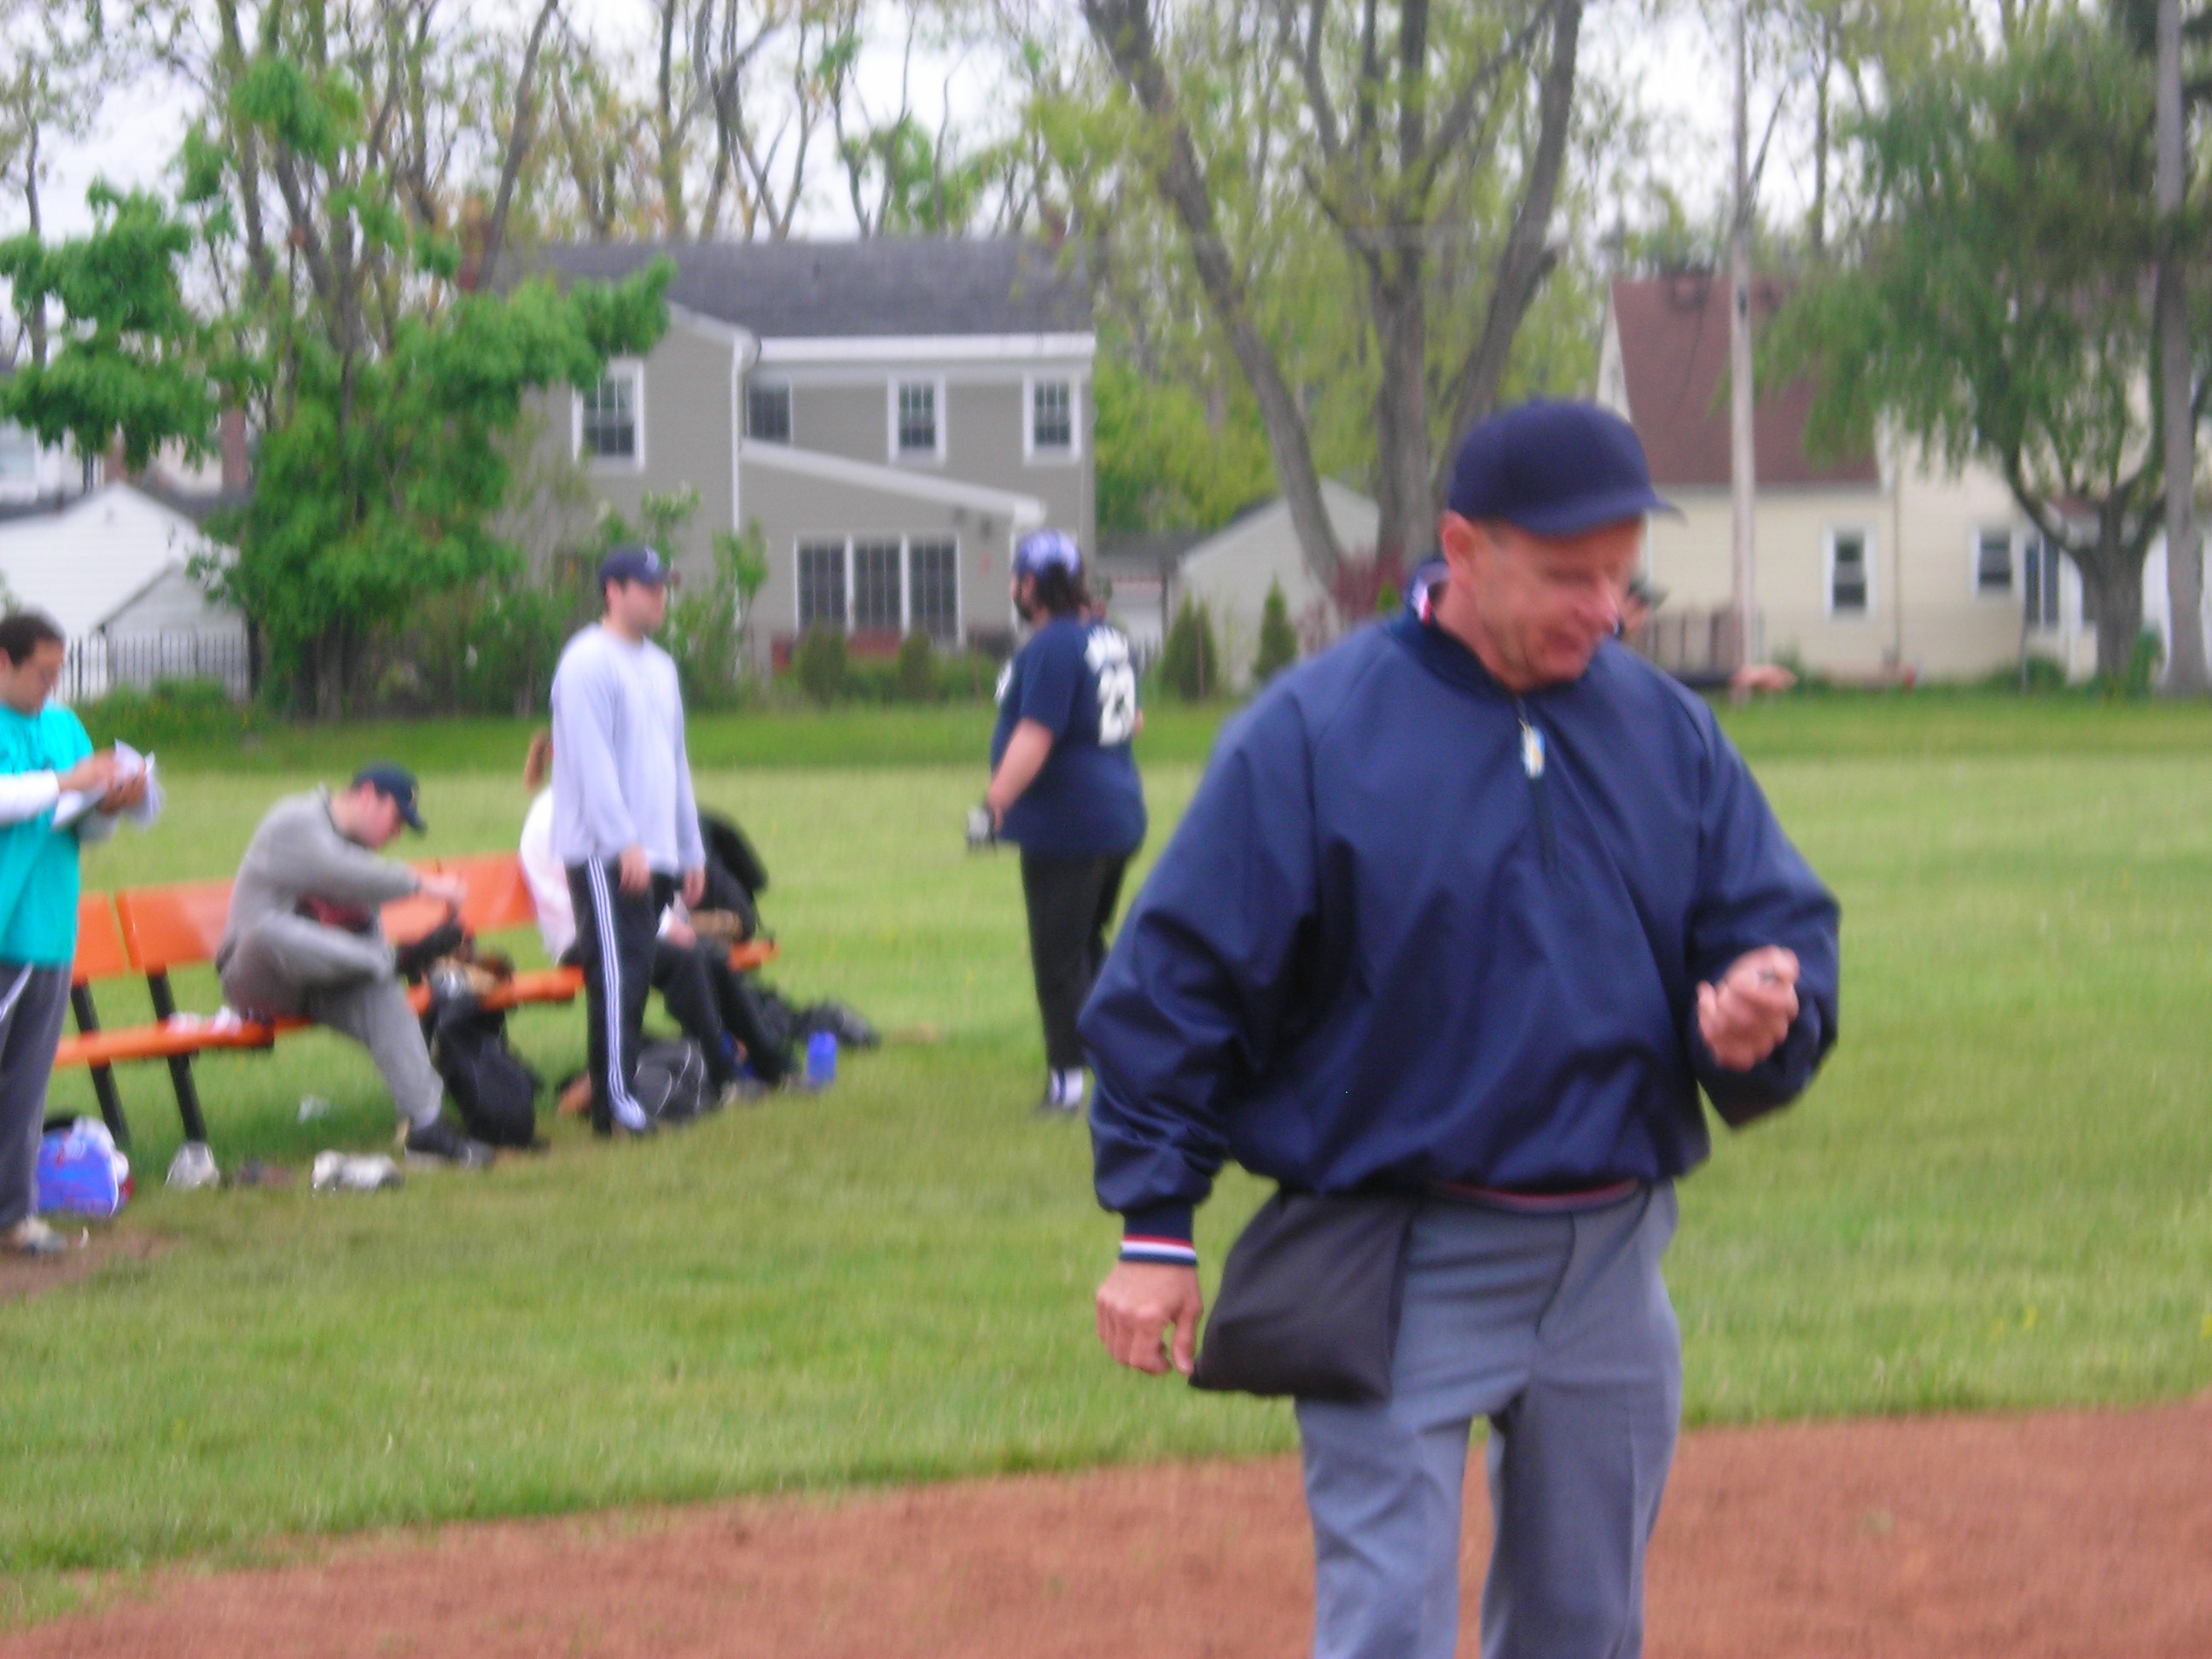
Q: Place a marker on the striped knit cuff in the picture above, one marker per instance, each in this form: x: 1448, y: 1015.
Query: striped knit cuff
x: 1158, y: 1252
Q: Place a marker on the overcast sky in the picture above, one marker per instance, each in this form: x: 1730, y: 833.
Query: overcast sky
x: 1681, y: 80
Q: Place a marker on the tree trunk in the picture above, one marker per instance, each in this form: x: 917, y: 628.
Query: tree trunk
x: 2184, y: 590
x: 1743, y: 455
x: 1123, y: 31
x: 1405, y: 529
x: 2112, y: 583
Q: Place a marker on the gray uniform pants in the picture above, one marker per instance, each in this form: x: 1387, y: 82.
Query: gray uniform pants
x: 289, y: 966
x: 1558, y: 1329
x: 32, y: 1003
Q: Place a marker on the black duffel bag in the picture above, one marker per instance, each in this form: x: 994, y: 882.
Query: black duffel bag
x: 495, y: 1092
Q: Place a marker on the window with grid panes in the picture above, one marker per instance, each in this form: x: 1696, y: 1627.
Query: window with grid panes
x: 768, y: 413
x: 1847, y: 574
x: 821, y: 585
x: 608, y: 428
x: 934, y: 588
x: 1052, y: 416
x: 1993, y: 562
x: 917, y: 418
x: 875, y: 587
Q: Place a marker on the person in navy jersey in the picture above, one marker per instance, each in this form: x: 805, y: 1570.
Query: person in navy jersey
x: 1468, y: 914
x: 1064, y: 788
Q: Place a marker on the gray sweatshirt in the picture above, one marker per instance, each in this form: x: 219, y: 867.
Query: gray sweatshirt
x: 621, y: 777
x: 298, y: 853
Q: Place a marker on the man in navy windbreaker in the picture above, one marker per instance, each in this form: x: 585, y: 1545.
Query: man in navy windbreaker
x: 1471, y: 906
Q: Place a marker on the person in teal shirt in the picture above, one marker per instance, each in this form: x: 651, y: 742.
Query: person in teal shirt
x: 44, y: 758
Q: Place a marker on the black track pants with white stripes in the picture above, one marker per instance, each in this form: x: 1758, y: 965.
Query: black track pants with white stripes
x: 615, y: 934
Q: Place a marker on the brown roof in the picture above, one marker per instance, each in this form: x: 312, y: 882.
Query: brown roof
x: 1675, y: 350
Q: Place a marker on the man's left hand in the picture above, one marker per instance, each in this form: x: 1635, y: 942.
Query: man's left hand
x: 1744, y: 1017
x: 695, y: 888
x: 124, y: 796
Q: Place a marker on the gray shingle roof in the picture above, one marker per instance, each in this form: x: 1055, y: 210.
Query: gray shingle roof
x: 885, y: 286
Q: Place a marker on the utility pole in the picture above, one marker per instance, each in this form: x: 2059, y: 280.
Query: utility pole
x: 2185, y: 554
x: 1743, y: 481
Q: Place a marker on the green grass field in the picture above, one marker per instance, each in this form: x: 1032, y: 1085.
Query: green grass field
x: 2000, y: 1193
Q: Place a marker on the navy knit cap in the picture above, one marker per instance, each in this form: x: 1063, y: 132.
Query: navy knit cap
x: 634, y: 564
x: 1553, y: 470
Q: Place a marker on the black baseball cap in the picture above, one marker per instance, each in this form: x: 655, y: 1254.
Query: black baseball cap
x: 396, y: 784
x: 635, y: 563
x: 1555, y: 469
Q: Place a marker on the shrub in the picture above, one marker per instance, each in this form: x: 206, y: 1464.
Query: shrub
x: 1278, y: 641
x: 917, y: 669
x: 1189, y: 664
x: 168, y: 711
x: 820, y: 663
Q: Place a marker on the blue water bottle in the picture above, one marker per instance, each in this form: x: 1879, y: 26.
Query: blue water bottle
x: 821, y: 1059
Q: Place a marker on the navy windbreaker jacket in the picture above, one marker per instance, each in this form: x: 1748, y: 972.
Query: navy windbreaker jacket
x: 1380, y: 952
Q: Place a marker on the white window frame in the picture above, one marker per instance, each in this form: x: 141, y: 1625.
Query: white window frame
x: 2011, y: 590
x: 771, y: 383
x: 630, y: 368
x: 1031, y: 452
x: 916, y: 457
x: 906, y: 582
x: 1867, y: 548
x: 906, y: 539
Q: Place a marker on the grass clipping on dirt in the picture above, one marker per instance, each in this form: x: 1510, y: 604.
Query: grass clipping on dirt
x: 1997, y: 1195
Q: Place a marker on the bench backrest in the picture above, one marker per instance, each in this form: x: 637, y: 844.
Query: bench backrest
x: 169, y: 927
x: 499, y: 896
x: 100, y: 952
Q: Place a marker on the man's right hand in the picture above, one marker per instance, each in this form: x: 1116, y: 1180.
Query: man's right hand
x: 635, y: 874
x: 93, y: 775
x: 1138, y: 1303
x: 447, y: 889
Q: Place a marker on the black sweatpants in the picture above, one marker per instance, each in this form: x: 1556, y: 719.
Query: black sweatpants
x: 615, y: 935
x: 684, y: 976
x: 1071, y: 905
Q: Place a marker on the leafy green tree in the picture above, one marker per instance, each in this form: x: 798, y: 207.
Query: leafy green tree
x: 1189, y: 660
x: 1161, y: 463
x: 1278, y: 641
x: 134, y: 363
x: 1996, y: 307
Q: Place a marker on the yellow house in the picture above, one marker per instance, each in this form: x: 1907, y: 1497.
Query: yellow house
x: 1866, y: 564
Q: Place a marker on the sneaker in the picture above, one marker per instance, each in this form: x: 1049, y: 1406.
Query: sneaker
x: 1052, y: 1108
x: 440, y: 1142
x: 31, y: 1237
x: 613, y: 1128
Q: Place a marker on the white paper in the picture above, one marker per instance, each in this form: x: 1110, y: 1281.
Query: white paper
x: 129, y: 763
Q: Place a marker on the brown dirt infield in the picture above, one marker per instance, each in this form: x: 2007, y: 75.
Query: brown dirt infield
x: 2030, y: 1537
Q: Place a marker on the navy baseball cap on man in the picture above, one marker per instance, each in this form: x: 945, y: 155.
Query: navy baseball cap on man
x: 1047, y: 550
x: 397, y: 785
x: 1553, y: 470
x: 635, y: 563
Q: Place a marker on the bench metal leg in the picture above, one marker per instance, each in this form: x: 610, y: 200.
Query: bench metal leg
x: 103, y: 1077
x: 180, y: 1065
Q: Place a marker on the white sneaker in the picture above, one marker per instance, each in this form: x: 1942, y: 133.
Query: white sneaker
x: 31, y: 1237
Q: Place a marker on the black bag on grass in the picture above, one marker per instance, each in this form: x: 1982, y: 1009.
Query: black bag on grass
x: 671, y: 1081
x: 495, y: 1092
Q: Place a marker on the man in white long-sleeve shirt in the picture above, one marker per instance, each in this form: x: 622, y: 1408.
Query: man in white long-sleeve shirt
x: 625, y: 824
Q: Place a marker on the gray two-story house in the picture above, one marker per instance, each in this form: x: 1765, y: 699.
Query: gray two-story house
x: 893, y: 414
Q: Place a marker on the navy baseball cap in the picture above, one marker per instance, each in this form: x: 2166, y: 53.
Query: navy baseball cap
x: 635, y: 563
x: 1553, y: 470
x: 396, y: 784
x: 1047, y: 550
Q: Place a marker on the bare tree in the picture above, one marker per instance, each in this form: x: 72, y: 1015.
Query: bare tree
x: 1390, y: 120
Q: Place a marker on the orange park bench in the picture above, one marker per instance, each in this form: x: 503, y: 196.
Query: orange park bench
x: 151, y: 931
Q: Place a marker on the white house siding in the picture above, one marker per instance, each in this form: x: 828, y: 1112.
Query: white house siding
x: 1230, y: 573
x: 83, y: 564
x: 1925, y: 611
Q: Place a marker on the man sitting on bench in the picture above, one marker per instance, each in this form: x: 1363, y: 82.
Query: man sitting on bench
x: 303, y: 939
